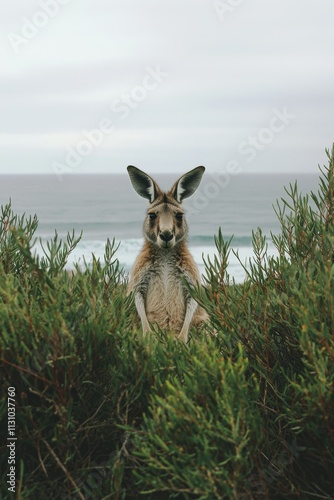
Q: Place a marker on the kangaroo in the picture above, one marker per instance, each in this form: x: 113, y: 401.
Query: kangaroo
x: 164, y: 263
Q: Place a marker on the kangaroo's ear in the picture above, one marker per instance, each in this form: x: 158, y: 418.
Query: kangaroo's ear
x: 143, y: 184
x: 187, y: 184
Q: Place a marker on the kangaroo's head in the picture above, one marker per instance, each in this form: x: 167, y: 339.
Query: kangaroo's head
x: 165, y: 225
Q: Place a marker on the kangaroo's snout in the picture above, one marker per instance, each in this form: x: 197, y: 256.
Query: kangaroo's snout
x: 166, y: 237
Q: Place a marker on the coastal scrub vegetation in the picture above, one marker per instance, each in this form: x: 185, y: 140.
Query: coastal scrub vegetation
x: 244, y: 411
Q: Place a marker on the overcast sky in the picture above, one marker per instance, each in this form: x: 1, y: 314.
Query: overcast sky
x: 90, y: 86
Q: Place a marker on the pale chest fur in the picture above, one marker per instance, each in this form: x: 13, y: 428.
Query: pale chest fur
x: 166, y: 296
x: 158, y: 280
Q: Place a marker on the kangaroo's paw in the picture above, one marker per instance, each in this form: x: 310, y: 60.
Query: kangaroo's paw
x: 183, y: 336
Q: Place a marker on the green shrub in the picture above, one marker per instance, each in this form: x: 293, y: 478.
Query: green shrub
x: 284, y: 317
x: 246, y: 410
x: 200, y: 436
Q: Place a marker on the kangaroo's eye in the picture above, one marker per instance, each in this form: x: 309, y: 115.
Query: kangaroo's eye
x: 179, y: 216
x: 152, y: 216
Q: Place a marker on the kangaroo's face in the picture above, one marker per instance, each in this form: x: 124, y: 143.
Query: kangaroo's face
x: 165, y: 225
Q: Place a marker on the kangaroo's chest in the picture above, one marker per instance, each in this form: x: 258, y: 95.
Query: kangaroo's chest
x: 165, y: 300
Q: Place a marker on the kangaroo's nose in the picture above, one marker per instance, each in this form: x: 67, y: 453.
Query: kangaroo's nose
x: 166, y: 236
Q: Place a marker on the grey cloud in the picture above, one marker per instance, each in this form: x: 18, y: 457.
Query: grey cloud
x: 223, y: 75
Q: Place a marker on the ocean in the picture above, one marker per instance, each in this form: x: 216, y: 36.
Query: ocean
x: 106, y: 206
